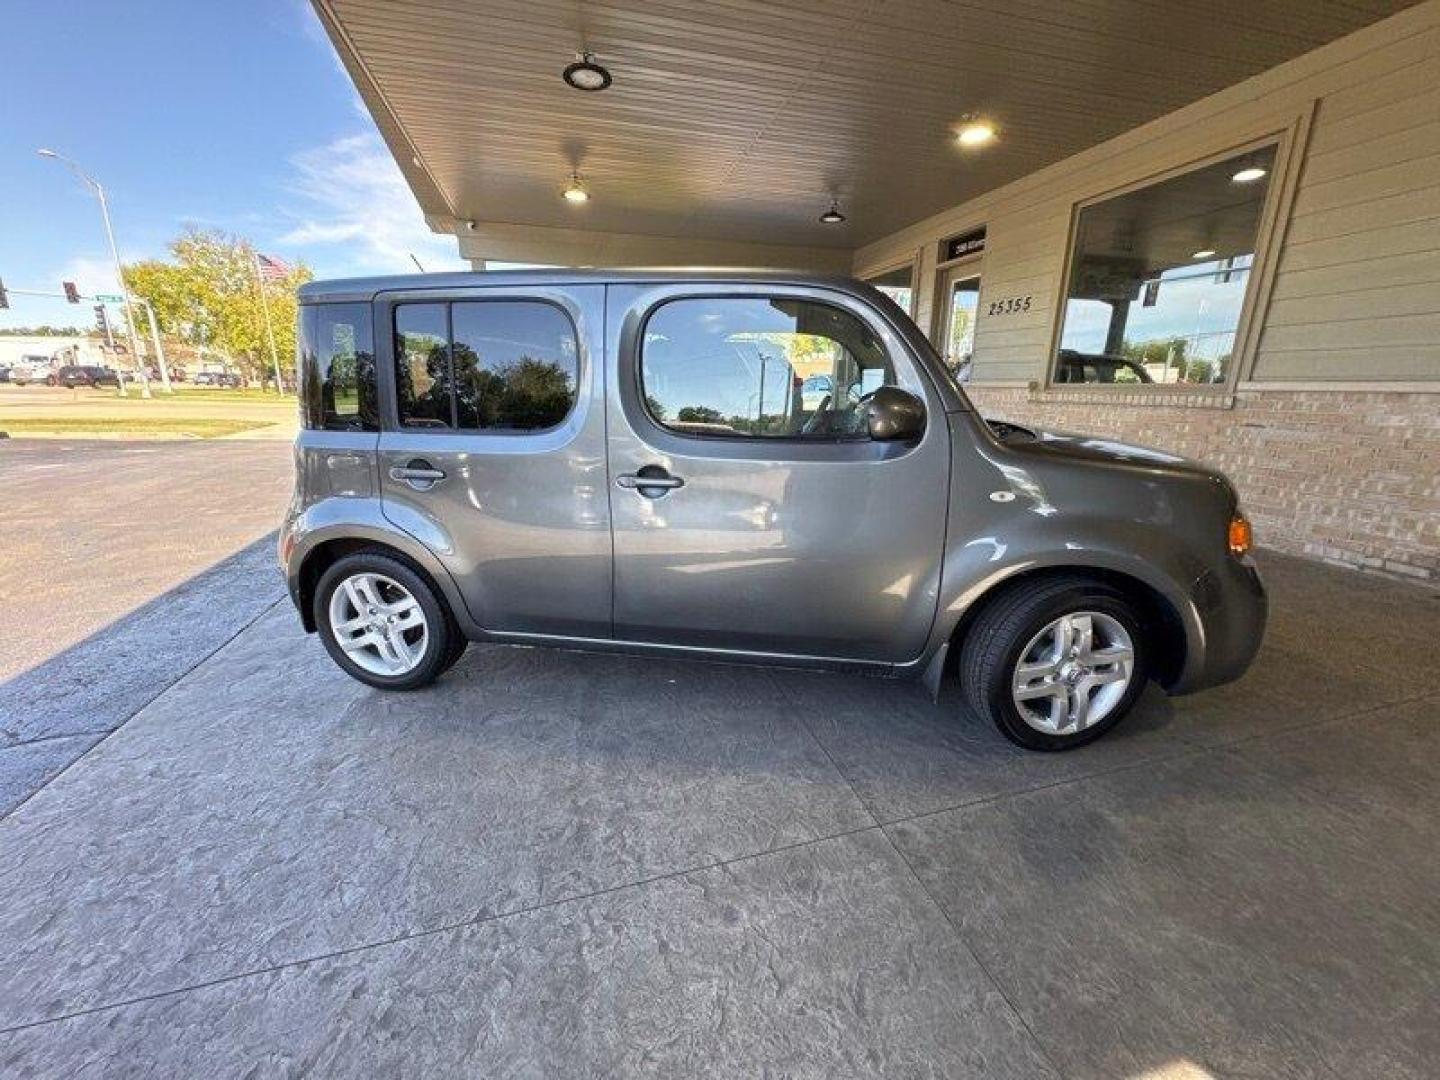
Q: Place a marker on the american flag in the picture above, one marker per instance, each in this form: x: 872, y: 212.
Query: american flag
x: 271, y: 268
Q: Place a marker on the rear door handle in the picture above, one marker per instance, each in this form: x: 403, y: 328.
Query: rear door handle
x: 652, y: 481
x: 420, y: 475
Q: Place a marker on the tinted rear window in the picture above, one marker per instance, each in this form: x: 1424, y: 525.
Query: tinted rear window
x: 485, y: 365
x: 337, y: 368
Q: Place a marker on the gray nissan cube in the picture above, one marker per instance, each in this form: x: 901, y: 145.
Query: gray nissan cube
x: 757, y: 467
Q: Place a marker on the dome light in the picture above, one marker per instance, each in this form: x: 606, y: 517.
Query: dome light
x: 833, y: 215
x: 975, y: 133
x: 575, y: 191
x: 585, y: 74
x: 1203, y: 253
x: 1249, y: 175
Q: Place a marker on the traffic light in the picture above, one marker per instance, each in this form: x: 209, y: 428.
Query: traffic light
x: 4, y: 296
x: 72, y: 294
x: 103, y: 320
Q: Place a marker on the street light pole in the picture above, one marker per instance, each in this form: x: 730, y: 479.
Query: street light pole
x: 115, y: 255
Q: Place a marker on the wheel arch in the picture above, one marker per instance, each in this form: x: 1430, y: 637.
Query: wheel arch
x: 324, y: 553
x: 1161, y: 612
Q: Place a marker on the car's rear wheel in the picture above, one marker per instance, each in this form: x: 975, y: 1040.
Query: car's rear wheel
x: 1055, y: 664
x: 383, y: 623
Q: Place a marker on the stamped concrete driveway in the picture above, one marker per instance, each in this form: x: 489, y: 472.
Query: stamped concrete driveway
x: 555, y: 864
x: 123, y: 565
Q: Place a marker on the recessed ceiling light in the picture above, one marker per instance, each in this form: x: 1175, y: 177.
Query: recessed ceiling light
x: 975, y: 133
x: 1203, y: 253
x: 586, y: 74
x: 575, y: 191
x: 1249, y: 175
x: 833, y: 215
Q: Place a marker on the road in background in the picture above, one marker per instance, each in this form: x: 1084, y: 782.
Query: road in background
x: 94, y: 529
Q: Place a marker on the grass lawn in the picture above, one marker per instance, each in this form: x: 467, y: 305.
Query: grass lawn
x: 200, y: 427
x: 216, y: 393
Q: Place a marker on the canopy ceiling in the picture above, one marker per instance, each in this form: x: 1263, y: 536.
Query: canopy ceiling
x: 738, y: 120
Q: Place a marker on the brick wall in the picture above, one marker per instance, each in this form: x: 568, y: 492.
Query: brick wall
x: 1349, y: 477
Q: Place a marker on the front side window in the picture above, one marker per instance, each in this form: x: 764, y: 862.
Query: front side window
x: 755, y: 367
x: 1159, y: 276
x: 485, y: 365
x: 337, y: 368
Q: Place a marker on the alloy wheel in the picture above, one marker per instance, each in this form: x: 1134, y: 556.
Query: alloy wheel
x: 1073, y: 673
x: 379, y: 624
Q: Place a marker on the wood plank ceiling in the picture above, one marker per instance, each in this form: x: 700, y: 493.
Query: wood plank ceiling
x: 740, y: 119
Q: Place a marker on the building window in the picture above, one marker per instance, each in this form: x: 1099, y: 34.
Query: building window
x: 485, y: 365
x: 898, y: 285
x: 337, y: 368
x: 1159, y: 277
x: 760, y: 367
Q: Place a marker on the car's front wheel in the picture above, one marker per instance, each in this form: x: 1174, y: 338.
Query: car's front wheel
x: 1055, y: 664
x: 383, y: 623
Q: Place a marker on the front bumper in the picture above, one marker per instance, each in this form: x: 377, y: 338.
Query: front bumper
x: 1232, y: 606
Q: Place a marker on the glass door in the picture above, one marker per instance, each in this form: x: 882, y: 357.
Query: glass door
x: 961, y: 305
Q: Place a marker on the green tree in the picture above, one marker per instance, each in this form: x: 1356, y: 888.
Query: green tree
x: 208, y: 293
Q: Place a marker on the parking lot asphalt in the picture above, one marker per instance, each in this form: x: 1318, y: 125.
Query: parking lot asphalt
x: 93, y: 529
x: 122, y: 566
x: 556, y: 864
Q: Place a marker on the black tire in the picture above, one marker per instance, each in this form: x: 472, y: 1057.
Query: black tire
x: 458, y: 644
x: 440, y: 648
x: 993, y: 644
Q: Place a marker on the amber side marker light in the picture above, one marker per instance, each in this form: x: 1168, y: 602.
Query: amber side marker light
x: 1242, y: 537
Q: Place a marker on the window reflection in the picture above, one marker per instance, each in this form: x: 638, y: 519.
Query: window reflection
x: 422, y: 358
x: 502, y: 365
x: 337, y: 368
x: 515, y: 365
x: 1159, y: 277
x: 783, y: 368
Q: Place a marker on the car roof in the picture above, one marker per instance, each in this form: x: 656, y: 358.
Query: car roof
x: 365, y: 288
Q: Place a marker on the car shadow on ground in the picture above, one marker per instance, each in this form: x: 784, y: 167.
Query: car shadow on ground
x: 53, y: 712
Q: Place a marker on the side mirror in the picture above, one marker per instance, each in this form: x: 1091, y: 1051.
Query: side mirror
x: 894, y: 415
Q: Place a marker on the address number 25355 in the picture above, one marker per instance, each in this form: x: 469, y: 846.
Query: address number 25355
x: 1011, y: 305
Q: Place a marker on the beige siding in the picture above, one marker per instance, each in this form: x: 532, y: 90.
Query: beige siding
x: 1356, y: 290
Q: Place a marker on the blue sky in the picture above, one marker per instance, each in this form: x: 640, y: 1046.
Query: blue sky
x: 234, y: 116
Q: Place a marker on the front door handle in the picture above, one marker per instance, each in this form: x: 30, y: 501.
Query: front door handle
x: 420, y: 475
x: 652, y: 481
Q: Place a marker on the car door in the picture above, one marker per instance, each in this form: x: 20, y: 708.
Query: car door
x: 492, y: 448
x: 744, y: 519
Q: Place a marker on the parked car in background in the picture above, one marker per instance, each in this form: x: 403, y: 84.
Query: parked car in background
x: 31, y: 368
x: 577, y: 459
x: 73, y: 375
x: 26, y: 374
x: 1077, y: 367
x: 226, y: 379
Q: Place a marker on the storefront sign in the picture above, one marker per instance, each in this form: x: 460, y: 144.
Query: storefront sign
x: 957, y: 247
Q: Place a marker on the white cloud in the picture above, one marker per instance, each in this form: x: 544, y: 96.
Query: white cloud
x: 355, y: 213
x: 91, y: 274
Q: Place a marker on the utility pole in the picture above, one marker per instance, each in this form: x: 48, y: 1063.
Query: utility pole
x: 115, y: 255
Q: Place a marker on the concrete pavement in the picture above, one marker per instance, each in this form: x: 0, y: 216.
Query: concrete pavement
x: 123, y: 565
x: 94, y: 529
x: 555, y: 864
